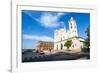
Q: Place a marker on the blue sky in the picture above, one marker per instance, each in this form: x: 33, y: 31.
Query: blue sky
x: 40, y: 25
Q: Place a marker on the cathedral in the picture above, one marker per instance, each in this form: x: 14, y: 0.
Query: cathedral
x: 62, y: 35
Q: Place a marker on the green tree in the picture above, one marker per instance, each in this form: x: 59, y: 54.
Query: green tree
x: 88, y: 37
x: 68, y: 44
x: 86, y: 43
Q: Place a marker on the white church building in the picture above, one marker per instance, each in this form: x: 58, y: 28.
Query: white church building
x: 62, y: 35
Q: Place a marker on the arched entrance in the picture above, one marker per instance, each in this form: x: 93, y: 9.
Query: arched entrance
x: 57, y: 47
x: 61, y: 46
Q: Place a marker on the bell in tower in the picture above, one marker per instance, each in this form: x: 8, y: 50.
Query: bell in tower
x: 72, y: 27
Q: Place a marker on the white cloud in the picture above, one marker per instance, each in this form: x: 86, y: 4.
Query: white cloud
x: 38, y: 38
x: 60, y: 14
x: 51, y: 19
x: 48, y: 19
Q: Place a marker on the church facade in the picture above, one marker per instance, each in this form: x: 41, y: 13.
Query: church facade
x: 62, y: 35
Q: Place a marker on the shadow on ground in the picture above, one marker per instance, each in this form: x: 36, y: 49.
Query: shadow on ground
x: 30, y: 56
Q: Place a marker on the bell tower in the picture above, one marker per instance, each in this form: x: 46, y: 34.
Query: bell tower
x: 72, y: 27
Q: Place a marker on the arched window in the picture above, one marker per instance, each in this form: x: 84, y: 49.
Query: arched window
x: 71, y: 25
x: 61, y: 38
